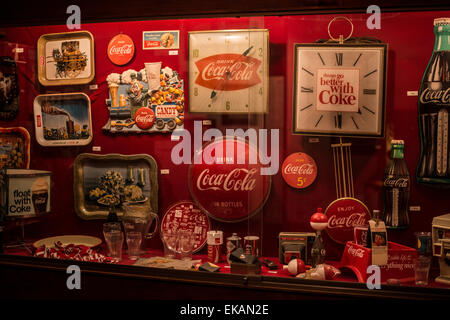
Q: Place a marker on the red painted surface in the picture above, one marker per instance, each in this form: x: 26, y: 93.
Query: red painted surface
x: 410, y: 38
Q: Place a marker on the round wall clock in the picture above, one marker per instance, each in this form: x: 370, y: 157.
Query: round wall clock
x: 339, y: 89
x: 228, y: 71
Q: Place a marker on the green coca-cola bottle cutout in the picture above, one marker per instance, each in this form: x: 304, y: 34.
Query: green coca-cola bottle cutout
x: 433, y: 108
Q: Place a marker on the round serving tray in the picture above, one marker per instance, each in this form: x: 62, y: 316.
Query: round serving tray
x: 186, y: 215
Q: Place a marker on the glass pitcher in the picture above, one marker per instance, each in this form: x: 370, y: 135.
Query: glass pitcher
x: 139, y: 218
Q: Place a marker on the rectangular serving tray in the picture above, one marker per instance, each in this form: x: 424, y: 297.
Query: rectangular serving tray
x: 89, y: 168
x: 63, y: 119
x: 66, y: 58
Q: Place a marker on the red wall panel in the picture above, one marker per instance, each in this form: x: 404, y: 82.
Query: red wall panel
x: 410, y: 38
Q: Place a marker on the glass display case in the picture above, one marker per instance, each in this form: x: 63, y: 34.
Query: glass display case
x: 248, y: 152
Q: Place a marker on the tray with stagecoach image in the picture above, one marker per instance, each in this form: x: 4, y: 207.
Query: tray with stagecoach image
x: 66, y: 58
x: 110, y: 180
x: 63, y: 119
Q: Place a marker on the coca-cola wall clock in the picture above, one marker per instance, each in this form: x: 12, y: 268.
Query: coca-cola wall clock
x: 148, y: 100
x: 339, y: 89
x: 299, y: 170
x: 66, y: 58
x: 121, y: 49
x: 63, y: 119
x: 9, y: 89
x: 228, y: 71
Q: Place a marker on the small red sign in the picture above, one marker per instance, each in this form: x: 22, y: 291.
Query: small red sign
x: 225, y: 183
x: 38, y: 121
x: 121, y: 49
x: 299, y: 170
x: 144, y: 117
x: 343, y: 216
x: 227, y: 72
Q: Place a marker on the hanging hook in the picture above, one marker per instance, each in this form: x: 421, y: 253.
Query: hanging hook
x: 341, y: 37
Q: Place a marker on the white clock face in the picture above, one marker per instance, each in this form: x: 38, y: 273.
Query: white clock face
x: 228, y: 71
x: 339, y: 90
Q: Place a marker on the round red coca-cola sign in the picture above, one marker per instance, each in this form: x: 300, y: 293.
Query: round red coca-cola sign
x: 121, y: 49
x: 299, y: 170
x: 225, y: 180
x: 144, y: 117
x: 343, y: 216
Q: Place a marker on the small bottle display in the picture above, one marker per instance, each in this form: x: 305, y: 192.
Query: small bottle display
x: 396, y: 188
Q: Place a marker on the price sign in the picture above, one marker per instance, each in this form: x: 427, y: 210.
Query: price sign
x: 299, y: 170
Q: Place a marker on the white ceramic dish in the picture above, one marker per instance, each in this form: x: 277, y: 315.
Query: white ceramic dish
x: 69, y: 239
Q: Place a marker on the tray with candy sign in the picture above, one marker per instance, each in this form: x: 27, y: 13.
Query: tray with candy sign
x: 148, y: 100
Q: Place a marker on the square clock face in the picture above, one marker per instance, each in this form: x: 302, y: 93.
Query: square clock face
x: 339, y: 90
x: 228, y: 71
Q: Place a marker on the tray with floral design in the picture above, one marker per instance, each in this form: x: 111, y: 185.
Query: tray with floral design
x: 66, y: 58
x: 102, y: 181
x: 14, y: 148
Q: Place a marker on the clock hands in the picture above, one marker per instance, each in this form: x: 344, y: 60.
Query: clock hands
x: 228, y: 72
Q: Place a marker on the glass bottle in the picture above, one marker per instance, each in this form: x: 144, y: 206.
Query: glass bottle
x: 396, y: 187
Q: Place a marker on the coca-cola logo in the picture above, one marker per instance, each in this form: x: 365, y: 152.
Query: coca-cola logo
x: 435, y: 96
x: 356, y: 252
x: 239, y: 179
x: 351, y: 221
x: 304, y: 169
x: 227, y: 190
x: 299, y: 170
x: 144, y: 118
x: 239, y: 72
x: 343, y: 216
x: 396, y: 182
x: 121, y: 49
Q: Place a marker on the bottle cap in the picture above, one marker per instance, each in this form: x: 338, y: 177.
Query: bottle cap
x: 397, y: 142
x: 441, y: 21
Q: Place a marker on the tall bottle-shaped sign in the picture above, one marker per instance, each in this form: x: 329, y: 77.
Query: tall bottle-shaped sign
x: 434, y: 108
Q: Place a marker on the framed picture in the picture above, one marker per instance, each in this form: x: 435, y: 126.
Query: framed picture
x: 66, y: 58
x: 63, y: 119
x: 14, y: 148
x: 9, y: 89
x: 228, y: 71
x: 339, y: 89
x: 104, y: 180
x: 154, y: 40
